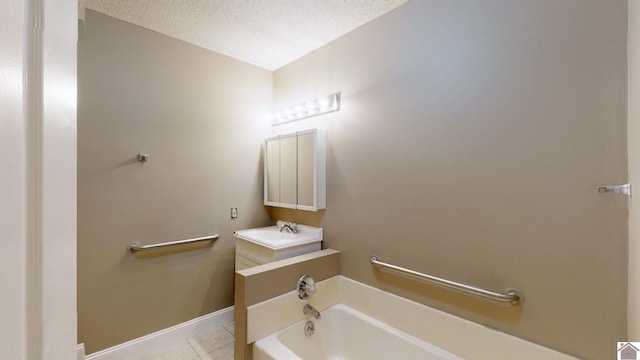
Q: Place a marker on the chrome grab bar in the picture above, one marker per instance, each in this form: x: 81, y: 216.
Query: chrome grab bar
x: 135, y: 247
x: 510, y: 295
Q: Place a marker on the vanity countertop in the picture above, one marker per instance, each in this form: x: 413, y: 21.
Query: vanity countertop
x: 272, y: 238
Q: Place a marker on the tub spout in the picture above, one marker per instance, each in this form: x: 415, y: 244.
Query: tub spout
x: 311, y: 311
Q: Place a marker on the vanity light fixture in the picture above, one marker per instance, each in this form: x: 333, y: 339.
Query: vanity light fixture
x: 308, y: 109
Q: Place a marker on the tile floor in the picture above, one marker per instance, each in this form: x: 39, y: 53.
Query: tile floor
x: 214, y: 344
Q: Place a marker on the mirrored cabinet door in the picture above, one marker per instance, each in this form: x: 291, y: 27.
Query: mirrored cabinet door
x: 288, y: 175
x: 306, y: 165
x: 295, y: 169
x: 272, y: 172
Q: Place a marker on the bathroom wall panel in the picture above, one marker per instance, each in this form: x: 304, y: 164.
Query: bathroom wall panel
x: 38, y: 179
x: 470, y: 142
x: 201, y: 118
x: 634, y: 168
x: 13, y: 185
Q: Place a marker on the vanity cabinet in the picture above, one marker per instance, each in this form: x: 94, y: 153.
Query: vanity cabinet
x: 250, y: 254
x: 295, y: 170
x: 267, y: 244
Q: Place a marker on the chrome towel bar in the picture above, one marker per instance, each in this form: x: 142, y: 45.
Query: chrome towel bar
x: 136, y: 247
x: 512, y: 296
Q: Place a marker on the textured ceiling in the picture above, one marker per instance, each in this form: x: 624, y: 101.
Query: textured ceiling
x: 266, y: 33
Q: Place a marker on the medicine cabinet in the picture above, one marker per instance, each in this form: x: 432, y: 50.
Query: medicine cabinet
x: 295, y: 170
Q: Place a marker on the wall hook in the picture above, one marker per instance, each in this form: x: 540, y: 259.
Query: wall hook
x: 143, y: 157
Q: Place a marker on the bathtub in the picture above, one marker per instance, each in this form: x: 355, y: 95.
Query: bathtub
x: 362, y: 322
x: 345, y: 333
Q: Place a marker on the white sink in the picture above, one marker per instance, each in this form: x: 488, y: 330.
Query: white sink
x: 273, y: 238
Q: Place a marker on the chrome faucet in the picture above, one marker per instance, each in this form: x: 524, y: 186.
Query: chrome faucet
x: 289, y: 227
x: 311, y: 311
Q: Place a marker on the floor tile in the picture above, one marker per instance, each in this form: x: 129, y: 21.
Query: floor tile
x: 182, y: 351
x: 223, y: 353
x: 211, y: 340
x: 230, y: 326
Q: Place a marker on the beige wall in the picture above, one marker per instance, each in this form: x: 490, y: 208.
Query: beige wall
x: 200, y: 117
x: 471, y: 139
x: 634, y: 168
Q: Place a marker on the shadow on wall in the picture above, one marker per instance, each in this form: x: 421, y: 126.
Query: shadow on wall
x: 311, y: 218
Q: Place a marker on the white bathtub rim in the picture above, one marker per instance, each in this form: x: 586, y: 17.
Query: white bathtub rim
x: 397, y: 332
x: 365, y: 300
x: 273, y: 347
x: 479, y: 340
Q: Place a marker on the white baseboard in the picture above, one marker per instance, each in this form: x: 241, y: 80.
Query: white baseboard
x: 80, y: 349
x: 163, y: 338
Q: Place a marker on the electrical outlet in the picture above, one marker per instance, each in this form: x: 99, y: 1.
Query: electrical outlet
x: 234, y: 213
